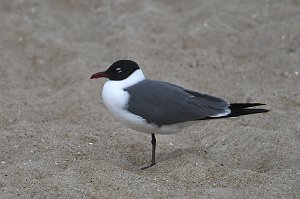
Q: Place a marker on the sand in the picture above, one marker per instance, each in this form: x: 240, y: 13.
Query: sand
x: 57, y: 140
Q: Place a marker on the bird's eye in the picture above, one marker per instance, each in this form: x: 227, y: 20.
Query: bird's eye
x: 119, y: 70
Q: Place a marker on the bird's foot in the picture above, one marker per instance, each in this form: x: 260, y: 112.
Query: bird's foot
x: 152, y: 164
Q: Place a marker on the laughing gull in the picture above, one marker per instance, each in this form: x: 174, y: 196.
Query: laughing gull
x: 152, y: 106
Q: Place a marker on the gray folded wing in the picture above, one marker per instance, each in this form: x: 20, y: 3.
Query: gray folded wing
x: 163, y: 103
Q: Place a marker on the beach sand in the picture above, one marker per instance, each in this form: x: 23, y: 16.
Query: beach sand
x: 57, y: 140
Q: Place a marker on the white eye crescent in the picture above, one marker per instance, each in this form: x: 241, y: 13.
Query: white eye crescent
x: 119, y: 70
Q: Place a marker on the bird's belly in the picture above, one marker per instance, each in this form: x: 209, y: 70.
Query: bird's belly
x: 138, y: 123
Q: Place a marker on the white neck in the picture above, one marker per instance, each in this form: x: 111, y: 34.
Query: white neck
x: 134, y: 78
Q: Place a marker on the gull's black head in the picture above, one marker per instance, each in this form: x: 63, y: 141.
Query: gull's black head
x: 118, y: 71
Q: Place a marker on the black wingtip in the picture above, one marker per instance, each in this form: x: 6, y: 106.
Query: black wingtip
x: 236, y: 113
x: 239, y: 109
x: 244, y: 105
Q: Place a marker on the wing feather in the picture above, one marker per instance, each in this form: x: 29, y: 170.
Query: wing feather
x: 163, y: 103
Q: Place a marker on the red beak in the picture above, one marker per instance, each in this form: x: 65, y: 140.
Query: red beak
x: 99, y: 75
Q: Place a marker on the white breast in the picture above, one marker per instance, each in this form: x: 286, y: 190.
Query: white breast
x: 116, y: 100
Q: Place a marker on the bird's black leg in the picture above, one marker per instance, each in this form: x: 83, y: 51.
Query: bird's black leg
x: 153, y: 142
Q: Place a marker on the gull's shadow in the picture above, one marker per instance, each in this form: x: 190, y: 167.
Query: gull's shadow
x: 165, y: 156
x: 135, y: 160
